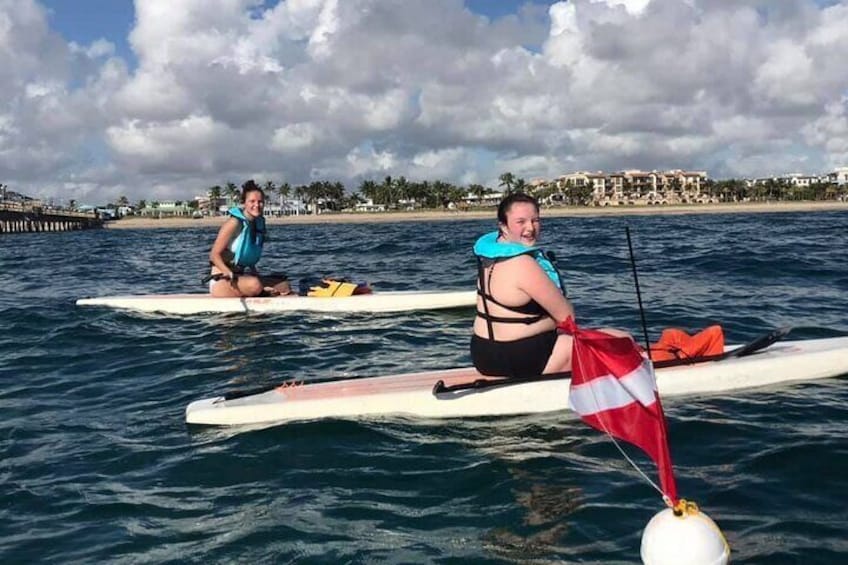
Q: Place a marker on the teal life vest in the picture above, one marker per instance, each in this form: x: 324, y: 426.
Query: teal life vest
x: 488, y: 247
x: 247, y: 247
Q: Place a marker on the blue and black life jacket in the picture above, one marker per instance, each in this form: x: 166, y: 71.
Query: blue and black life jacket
x: 489, y: 250
x: 247, y: 247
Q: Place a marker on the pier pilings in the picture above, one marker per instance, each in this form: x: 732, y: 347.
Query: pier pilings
x: 19, y: 218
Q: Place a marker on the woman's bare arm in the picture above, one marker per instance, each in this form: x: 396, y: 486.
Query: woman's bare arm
x: 533, y: 280
x: 225, y: 236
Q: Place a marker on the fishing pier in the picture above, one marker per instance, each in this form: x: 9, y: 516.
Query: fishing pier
x: 17, y: 217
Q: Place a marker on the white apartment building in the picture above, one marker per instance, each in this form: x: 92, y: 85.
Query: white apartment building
x: 638, y: 187
x: 838, y: 176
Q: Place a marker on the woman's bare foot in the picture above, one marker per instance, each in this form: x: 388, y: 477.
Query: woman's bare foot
x: 272, y: 291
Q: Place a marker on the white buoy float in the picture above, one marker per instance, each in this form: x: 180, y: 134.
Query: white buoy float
x: 683, y: 535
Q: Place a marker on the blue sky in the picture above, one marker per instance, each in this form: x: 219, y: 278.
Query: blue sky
x: 498, y: 8
x: 84, y: 21
x: 353, y: 90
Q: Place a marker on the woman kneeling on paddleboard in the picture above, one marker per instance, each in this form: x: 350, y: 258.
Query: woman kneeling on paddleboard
x: 238, y: 248
x: 521, y: 298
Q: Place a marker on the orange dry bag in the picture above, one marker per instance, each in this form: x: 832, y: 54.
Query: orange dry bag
x: 677, y: 344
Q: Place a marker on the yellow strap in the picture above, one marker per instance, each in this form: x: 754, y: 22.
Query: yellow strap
x: 332, y: 288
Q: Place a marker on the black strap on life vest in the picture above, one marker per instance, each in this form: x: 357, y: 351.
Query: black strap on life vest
x: 482, y: 283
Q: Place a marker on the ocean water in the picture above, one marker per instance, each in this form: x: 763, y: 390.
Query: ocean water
x: 97, y: 464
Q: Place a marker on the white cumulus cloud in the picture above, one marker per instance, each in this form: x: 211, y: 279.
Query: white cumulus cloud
x: 223, y: 90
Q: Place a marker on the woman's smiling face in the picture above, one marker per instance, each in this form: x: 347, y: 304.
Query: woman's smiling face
x: 254, y: 204
x: 522, y: 224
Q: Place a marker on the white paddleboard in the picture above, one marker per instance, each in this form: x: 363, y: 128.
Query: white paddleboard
x: 411, y: 395
x: 400, y: 301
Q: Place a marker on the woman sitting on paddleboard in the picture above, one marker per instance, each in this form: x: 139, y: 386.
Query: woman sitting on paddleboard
x: 521, y: 298
x: 238, y: 248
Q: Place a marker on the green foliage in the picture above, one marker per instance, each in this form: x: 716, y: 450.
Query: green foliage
x: 402, y: 193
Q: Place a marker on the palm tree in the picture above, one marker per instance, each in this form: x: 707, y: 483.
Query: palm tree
x: 819, y: 190
x: 545, y: 192
x: 442, y: 193
x: 316, y: 192
x: 352, y: 200
x: 740, y: 190
x: 841, y: 191
x: 423, y: 191
x: 369, y: 189
x: 233, y: 192
x: 269, y: 188
x: 520, y: 186
x: 402, y: 188
x: 759, y: 190
x: 337, y: 191
x: 581, y: 194
x: 284, y: 189
x: 478, y: 190
x: 712, y: 189
x: 507, y: 180
x: 300, y: 193
x: 454, y: 194
x: 676, y: 189
x: 386, y: 193
x: 783, y: 187
x: 214, y: 199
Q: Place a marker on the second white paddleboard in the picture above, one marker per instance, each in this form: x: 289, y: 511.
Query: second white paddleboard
x: 401, y: 301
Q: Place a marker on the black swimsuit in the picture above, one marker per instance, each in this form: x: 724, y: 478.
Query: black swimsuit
x: 517, y: 358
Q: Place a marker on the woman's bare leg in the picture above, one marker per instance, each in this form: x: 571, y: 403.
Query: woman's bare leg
x: 244, y: 285
x: 276, y: 286
x: 560, y: 359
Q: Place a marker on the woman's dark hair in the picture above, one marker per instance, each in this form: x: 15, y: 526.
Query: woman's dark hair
x: 250, y: 186
x: 511, y: 199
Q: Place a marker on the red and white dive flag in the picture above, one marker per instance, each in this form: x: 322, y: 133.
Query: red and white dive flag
x: 614, y: 389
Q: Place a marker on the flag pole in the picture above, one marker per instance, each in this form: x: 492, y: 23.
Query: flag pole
x: 638, y: 292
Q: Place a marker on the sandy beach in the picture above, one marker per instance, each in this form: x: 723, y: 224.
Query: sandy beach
x: 454, y: 215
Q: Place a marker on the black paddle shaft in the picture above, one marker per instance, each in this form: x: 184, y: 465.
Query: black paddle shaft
x: 638, y: 292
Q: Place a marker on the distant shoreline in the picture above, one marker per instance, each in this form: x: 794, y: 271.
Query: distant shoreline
x: 489, y: 213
